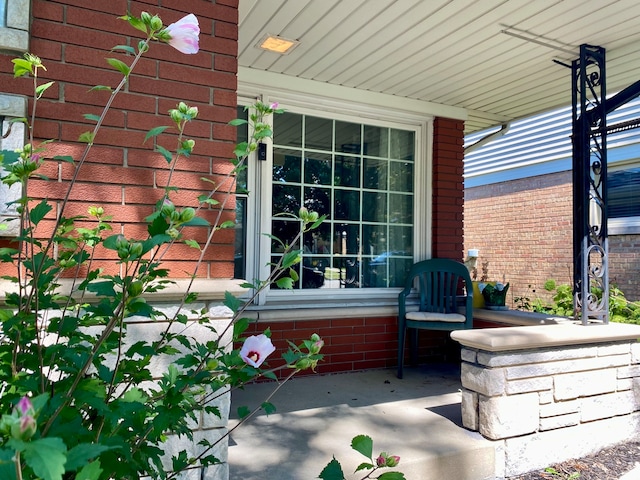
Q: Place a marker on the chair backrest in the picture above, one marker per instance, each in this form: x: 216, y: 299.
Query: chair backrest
x: 440, y: 284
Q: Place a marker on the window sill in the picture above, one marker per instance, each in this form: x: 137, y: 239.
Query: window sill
x: 322, y: 310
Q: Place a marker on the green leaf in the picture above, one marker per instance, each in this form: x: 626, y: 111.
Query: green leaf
x: 102, y: 288
x: 46, y: 457
x: 392, y: 476
x: 168, y: 156
x: 80, y: 455
x: 119, y: 65
x: 125, y: 48
x: 243, y: 411
x: 86, y: 137
x: 91, y: 471
x: 268, y: 408
x: 231, y: 302
x: 285, y: 282
x: 40, y: 89
x: 196, y: 222
x: 158, y: 225
x: 192, y: 244
x: 154, y: 132
x: 21, y: 67
x: 236, y: 122
x: 291, y: 258
x: 7, y: 467
x: 64, y: 158
x: 100, y: 87
x: 228, y: 224
x: 365, y: 466
x: 135, y: 22
x: 91, y: 116
x: 333, y: 471
x: 363, y: 444
x: 39, y: 212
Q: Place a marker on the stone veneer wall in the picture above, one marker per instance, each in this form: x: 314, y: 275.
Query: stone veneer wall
x: 550, y: 404
x: 209, y: 427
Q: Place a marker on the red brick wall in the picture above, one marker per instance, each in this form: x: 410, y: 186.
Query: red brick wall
x: 122, y: 172
x: 624, y: 264
x: 351, y: 343
x: 523, y: 228
x: 448, y: 155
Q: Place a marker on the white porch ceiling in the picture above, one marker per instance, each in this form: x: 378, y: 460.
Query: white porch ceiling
x: 450, y: 52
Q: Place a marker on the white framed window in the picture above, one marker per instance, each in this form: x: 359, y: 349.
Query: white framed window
x: 12, y: 138
x: 623, y: 198
x: 369, y: 172
x: 14, y: 25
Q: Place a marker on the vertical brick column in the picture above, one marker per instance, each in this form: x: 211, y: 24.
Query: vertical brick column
x: 448, y: 196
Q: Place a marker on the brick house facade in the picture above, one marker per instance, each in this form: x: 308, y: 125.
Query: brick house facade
x: 520, y: 215
x: 125, y: 176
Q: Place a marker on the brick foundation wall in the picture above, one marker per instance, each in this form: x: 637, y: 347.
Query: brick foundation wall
x: 523, y: 228
x: 352, y: 343
x: 122, y: 173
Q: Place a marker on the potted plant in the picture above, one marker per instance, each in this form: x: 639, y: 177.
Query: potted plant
x: 488, y: 294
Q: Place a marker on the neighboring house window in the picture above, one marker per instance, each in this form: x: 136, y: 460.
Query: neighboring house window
x: 14, y: 25
x: 12, y: 138
x: 623, y: 201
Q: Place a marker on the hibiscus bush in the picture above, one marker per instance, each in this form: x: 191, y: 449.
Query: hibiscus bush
x: 79, y: 397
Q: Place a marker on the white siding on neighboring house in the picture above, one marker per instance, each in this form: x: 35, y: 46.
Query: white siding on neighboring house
x: 541, y: 145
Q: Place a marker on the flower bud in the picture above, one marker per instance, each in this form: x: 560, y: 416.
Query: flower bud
x: 393, y: 460
x: 167, y: 207
x: 187, y: 214
x: 212, y: 364
x: 122, y: 243
x: 304, y: 363
x: 136, y: 249
x: 135, y: 288
x: 156, y: 23
x: 146, y: 18
x: 175, y: 115
x: 317, y: 344
x: 173, y: 232
x: 192, y: 112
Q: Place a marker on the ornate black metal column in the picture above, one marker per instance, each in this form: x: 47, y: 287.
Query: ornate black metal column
x: 590, y: 244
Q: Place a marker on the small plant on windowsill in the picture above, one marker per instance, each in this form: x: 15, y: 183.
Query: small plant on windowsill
x: 494, y: 294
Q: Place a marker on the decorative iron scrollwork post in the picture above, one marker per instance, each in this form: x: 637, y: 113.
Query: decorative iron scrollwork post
x: 590, y: 244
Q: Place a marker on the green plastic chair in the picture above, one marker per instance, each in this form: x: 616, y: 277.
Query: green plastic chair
x: 443, y: 301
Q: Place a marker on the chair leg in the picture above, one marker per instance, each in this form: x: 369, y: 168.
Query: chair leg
x: 401, y: 337
x: 413, y: 334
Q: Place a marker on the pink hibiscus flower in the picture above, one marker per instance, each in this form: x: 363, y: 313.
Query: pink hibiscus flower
x: 256, y: 349
x: 183, y: 34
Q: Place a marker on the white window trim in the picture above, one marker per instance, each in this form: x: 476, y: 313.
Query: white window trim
x: 11, y: 106
x: 260, y: 187
x: 15, y: 35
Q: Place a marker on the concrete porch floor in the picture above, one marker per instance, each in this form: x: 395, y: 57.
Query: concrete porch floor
x: 417, y: 418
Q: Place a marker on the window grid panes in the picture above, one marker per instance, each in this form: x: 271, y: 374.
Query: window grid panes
x: 240, y: 243
x: 361, y: 177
